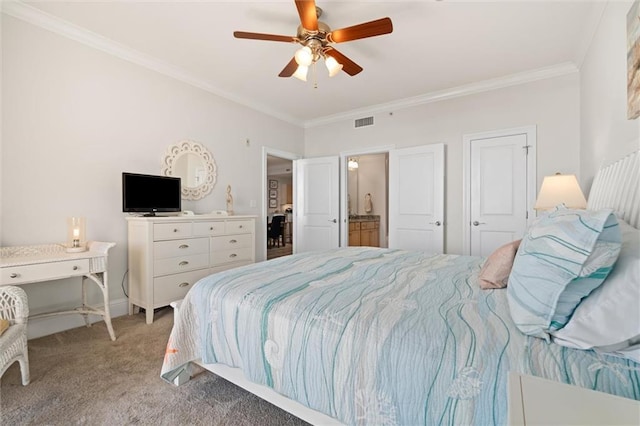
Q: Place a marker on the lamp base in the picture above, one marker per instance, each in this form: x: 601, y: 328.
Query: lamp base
x: 75, y: 249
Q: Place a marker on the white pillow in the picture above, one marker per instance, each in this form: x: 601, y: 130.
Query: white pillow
x: 608, y: 320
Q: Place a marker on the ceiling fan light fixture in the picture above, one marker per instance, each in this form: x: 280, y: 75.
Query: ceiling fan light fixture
x: 332, y: 65
x: 304, y: 56
x: 301, y: 72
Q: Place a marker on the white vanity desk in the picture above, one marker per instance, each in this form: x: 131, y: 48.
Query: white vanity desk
x: 29, y: 264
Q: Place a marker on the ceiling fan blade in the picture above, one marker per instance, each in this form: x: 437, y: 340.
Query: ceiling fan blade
x: 356, y: 32
x: 268, y: 37
x: 291, y: 67
x: 348, y: 65
x: 308, y: 14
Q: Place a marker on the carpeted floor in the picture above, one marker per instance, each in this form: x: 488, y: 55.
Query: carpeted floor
x: 81, y: 377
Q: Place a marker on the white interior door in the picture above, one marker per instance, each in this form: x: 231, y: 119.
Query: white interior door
x: 317, y: 204
x: 498, y: 191
x: 416, y: 198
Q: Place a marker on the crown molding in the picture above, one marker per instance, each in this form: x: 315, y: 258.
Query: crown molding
x: 37, y: 17
x: 454, y: 92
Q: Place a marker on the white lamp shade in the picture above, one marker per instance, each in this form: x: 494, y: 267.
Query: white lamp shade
x: 332, y: 65
x: 352, y: 164
x: 560, y: 189
x: 304, y: 56
x: 301, y: 73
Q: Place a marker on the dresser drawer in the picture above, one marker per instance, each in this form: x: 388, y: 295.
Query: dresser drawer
x: 174, y: 287
x: 171, y: 231
x: 354, y: 226
x: 220, y: 257
x: 176, y: 248
x: 43, y: 271
x: 208, y: 228
x: 229, y: 242
x: 239, y: 227
x: 174, y: 265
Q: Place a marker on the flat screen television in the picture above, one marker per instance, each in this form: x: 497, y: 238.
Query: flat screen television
x: 150, y: 194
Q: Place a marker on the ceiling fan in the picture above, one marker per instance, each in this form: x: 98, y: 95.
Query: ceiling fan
x: 317, y: 38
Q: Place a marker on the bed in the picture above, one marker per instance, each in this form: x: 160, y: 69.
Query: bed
x: 381, y: 336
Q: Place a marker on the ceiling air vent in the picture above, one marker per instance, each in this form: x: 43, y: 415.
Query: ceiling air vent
x: 362, y: 122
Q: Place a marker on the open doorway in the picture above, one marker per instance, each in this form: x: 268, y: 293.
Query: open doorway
x: 368, y: 200
x: 280, y: 207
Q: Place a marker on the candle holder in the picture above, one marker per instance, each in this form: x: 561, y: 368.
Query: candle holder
x: 76, y: 235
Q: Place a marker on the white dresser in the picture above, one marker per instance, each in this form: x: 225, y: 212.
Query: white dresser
x: 168, y: 254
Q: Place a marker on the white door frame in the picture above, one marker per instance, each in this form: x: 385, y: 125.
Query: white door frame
x: 531, y: 133
x: 344, y: 204
x: 262, y: 223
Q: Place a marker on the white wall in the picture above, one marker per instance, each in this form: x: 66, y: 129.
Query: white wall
x: 551, y: 104
x: 606, y: 132
x: 74, y: 118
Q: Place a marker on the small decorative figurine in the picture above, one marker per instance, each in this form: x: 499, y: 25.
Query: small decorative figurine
x: 229, y: 201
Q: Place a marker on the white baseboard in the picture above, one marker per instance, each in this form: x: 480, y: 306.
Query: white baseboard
x: 39, y: 327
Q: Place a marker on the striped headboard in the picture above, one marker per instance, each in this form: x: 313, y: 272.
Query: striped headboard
x: 617, y: 186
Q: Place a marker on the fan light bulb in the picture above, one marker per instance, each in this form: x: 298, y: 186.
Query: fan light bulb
x: 304, y: 56
x: 332, y: 65
x: 301, y: 72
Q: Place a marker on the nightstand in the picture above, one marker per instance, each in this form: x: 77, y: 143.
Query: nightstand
x: 533, y: 400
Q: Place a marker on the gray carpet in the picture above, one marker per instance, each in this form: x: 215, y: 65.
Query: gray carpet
x: 81, y: 377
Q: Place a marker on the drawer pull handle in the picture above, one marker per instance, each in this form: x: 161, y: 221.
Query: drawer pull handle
x: 183, y: 284
x: 183, y: 263
x: 175, y: 229
x: 75, y: 268
x: 183, y: 246
x: 232, y: 255
x: 14, y: 275
x: 211, y: 229
x: 233, y: 241
x: 240, y: 226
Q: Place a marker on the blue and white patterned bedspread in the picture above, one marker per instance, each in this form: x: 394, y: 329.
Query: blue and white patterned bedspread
x: 377, y: 336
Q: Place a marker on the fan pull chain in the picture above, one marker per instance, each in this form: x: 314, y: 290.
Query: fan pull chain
x: 315, y: 80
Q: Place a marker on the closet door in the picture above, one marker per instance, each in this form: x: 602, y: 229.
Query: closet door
x: 317, y: 204
x: 416, y: 198
x: 500, y: 188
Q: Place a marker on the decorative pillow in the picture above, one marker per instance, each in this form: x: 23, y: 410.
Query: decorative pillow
x: 496, y: 269
x: 4, y: 324
x: 609, y: 319
x: 563, y: 257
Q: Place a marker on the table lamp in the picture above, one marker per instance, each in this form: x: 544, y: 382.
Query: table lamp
x: 560, y: 189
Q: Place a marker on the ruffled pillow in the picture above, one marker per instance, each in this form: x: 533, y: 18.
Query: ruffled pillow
x: 563, y: 257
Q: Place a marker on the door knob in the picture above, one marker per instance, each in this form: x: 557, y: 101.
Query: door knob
x: 436, y: 223
x: 476, y: 223
x: 333, y: 220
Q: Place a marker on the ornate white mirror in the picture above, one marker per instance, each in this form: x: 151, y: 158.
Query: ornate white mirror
x: 194, y: 164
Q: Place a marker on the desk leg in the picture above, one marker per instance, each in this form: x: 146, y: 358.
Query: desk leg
x: 104, y: 286
x: 84, y: 302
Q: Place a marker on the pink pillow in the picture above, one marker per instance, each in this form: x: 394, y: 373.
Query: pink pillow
x: 496, y: 269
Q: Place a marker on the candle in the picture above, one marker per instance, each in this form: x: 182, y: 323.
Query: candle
x: 76, y: 233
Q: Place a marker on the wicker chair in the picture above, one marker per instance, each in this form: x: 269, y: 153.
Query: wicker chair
x: 13, y: 342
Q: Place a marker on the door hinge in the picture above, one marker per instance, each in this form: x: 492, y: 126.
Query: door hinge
x: 526, y: 149
x: 526, y: 215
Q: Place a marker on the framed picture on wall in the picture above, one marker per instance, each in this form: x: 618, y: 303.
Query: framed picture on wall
x: 273, y: 193
x: 273, y: 203
x: 273, y: 184
x: 633, y: 61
